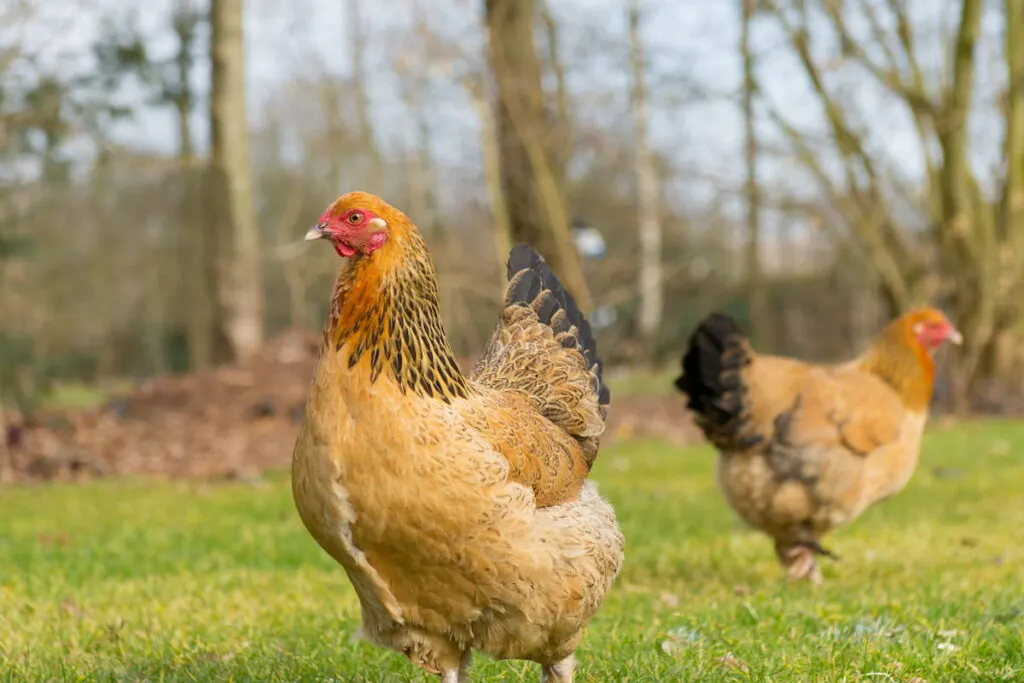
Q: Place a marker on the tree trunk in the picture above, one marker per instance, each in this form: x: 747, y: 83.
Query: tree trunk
x: 535, y: 198
x: 1013, y: 186
x: 239, y: 282
x: 760, y: 320
x: 197, y: 288
x: 964, y: 246
x: 648, y: 214
x: 1012, y: 205
x: 559, y: 131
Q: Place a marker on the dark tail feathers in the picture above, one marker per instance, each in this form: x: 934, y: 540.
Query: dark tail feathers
x: 711, y: 380
x: 529, y: 286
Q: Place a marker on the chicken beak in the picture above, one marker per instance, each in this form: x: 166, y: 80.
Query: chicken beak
x: 955, y: 337
x: 316, y: 232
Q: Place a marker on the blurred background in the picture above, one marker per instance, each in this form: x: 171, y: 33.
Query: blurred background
x: 812, y: 167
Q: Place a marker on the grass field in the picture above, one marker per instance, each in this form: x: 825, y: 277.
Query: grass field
x: 146, y: 581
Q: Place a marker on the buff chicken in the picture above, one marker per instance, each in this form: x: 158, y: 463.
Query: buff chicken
x: 806, y: 448
x: 459, y: 505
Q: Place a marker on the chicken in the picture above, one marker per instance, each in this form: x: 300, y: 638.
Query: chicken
x: 458, y: 505
x: 805, y: 448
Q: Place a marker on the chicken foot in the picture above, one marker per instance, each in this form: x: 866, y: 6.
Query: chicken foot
x: 559, y: 672
x: 799, y: 560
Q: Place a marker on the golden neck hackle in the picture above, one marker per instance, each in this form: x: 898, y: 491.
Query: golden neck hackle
x: 385, y: 321
x: 899, y: 360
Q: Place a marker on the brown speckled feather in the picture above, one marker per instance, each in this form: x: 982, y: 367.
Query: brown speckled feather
x: 544, y: 363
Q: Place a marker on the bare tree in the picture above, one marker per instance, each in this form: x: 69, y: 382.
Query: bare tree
x: 1008, y: 350
x: 559, y: 135
x: 187, y: 260
x: 971, y: 254
x: 648, y: 212
x: 530, y: 180
x: 449, y: 60
x: 760, y: 318
x: 239, y: 281
x: 197, y: 251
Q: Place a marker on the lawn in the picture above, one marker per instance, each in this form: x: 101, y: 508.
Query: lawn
x: 155, y: 581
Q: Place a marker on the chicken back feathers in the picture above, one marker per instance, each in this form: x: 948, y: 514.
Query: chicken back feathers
x: 543, y: 352
x: 457, y: 505
x: 805, y: 448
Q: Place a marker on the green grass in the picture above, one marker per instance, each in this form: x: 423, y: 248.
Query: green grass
x: 148, y: 581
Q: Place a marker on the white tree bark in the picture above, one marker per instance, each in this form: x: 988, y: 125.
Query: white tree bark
x: 240, y: 290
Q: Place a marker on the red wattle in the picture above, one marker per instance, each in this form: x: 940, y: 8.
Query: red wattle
x: 344, y: 250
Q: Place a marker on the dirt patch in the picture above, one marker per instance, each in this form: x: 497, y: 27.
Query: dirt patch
x: 230, y: 422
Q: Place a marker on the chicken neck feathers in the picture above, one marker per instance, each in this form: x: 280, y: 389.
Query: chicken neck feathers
x: 391, y: 314
x: 902, y: 364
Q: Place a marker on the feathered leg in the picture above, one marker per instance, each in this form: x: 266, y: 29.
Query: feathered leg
x: 559, y: 672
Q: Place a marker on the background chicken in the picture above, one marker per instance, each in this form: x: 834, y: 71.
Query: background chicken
x: 804, y: 448
x: 457, y: 505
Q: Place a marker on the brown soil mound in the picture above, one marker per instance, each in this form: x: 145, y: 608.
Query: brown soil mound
x: 230, y: 422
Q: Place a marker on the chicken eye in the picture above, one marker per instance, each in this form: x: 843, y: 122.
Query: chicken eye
x: 355, y: 218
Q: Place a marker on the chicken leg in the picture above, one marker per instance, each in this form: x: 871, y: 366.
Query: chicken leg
x: 799, y: 560
x: 559, y: 672
x: 460, y: 674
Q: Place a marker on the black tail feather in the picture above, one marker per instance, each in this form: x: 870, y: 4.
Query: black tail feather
x: 530, y: 285
x: 717, y: 351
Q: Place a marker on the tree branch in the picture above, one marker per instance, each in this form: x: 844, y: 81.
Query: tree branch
x: 875, y: 226
x: 894, y: 274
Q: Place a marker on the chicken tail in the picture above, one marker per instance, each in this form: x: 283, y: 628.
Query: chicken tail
x: 712, y: 381
x: 529, y: 278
